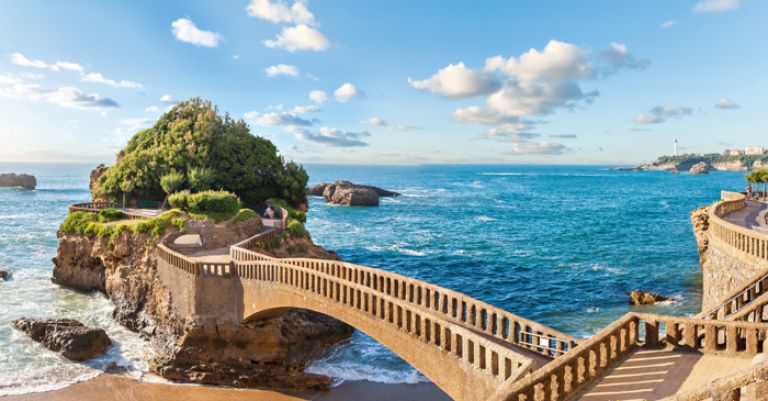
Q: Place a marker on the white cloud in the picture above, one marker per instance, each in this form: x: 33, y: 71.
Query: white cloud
x: 310, y: 108
x: 346, y: 92
x: 705, y: 6
x: 669, y: 24
x: 537, y: 148
x: 527, y: 98
x: 563, y: 136
x: 660, y: 114
x: 558, y: 61
x: 22, y: 91
x: 331, y: 137
x: 374, y: 122
x: 475, y: 115
x: 278, y: 11
x: 128, y: 127
x: 186, y: 31
x: 71, y: 97
x: 457, y: 81
x: 152, y: 109
x: 403, y: 127
x: 282, y: 69
x: 273, y: 118
x: 726, y: 104
x: 96, y: 77
x: 318, y: 96
x: 168, y: 99
x: 21, y: 60
x: 299, y: 37
x: 617, y: 58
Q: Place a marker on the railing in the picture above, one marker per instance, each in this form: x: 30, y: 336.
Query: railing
x: 453, y: 306
x: 740, y: 300
x: 566, y: 376
x: 90, y: 207
x: 191, y: 266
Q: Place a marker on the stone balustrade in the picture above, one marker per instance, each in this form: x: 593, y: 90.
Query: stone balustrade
x: 191, y: 266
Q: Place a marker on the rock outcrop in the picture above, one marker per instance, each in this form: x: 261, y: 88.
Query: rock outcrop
x: 191, y: 348
x: 5, y: 275
x: 638, y: 297
x: 700, y: 223
x: 699, y: 168
x: 349, y: 194
x: 93, y: 185
x: 25, y: 181
x: 68, y: 337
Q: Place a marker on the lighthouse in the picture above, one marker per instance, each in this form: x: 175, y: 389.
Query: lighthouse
x: 675, y: 147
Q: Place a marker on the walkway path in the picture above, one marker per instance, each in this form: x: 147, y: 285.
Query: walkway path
x: 752, y: 216
x: 652, y: 374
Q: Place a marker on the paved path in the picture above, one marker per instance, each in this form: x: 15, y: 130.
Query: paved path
x: 752, y: 216
x: 652, y: 374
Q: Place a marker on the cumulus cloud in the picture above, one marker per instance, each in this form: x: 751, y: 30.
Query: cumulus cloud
x: 346, y: 92
x: 527, y: 98
x: 168, y: 99
x: 186, y: 31
x: 617, y: 58
x: 282, y: 69
x: 331, y: 137
x: 96, y: 77
x: 22, y: 60
x: 23, y: 91
x: 318, y: 96
x: 558, y: 61
x: 726, y: 104
x: 660, y: 114
x: 311, y: 108
x: 669, y: 24
x: 299, y: 37
x: 72, y: 97
x: 706, y: 6
x: 279, y: 12
x: 475, y: 115
x: 275, y: 118
x: 458, y: 81
x: 374, y: 122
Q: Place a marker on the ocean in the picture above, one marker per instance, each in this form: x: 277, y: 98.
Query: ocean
x: 561, y: 245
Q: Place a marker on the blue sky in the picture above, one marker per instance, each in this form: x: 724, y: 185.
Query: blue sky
x: 395, y: 82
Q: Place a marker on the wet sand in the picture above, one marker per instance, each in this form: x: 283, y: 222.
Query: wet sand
x: 116, y: 388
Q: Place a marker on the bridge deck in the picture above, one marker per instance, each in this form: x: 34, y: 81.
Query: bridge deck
x: 653, y: 374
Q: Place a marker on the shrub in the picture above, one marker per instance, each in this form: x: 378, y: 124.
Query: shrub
x: 172, y: 182
x: 77, y: 222
x: 179, y: 223
x: 213, y: 202
x: 244, y: 215
x: 201, y: 179
x: 108, y: 215
x: 179, y: 200
x: 295, y: 229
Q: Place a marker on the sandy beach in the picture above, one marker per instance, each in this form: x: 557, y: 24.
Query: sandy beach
x: 117, y: 388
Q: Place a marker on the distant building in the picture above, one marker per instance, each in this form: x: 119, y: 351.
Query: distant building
x: 734, y: 152
x: 754, y: 150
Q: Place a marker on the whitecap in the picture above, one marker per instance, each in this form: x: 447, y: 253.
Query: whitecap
x: 593, y: 309
x: 484, y: 218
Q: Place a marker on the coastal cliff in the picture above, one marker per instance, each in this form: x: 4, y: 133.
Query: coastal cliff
x: 191, y: 348
x: 713, y: 162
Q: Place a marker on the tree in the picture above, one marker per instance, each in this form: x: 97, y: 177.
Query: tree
x: 172, y: 182
x: 213, y: 151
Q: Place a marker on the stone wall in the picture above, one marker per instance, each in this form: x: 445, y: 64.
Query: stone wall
x: 722, y: 273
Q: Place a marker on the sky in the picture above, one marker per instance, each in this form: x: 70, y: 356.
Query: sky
x: 391, y: 82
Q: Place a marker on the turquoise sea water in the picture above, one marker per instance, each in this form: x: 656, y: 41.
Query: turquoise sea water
x: 562, y: 245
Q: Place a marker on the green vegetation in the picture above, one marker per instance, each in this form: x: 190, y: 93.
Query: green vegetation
x: 758, y: 177
x: 244, y: 214
x: 217, y: 205
x: 193, y: 147
x: 297, y: 248
x: 295, y: 229
x: 92, y: 224
x: 109, y: 215
x: 292, y: 212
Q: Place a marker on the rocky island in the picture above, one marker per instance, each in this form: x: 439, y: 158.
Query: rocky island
x: 11, y: 180
x: 105, y: 250
x: 348, y: 194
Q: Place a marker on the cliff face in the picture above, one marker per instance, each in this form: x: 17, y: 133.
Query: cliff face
x: 268, y: 353
x: 700, y: 222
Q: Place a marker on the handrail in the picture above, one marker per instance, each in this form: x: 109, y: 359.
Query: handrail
x: 457, y: 307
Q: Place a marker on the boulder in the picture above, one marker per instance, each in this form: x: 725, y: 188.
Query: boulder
x: 5, y: 275
x: 25, y: 181
x: 349, y: 194
x: 638, y: 297
x: 699, y: 168
x: 69, y: 337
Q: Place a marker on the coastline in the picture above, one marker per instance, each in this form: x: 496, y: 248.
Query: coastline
x: 109, y: 387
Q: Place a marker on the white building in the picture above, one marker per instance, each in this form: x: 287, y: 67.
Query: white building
x: 734, y: 152
x: 754, y: 150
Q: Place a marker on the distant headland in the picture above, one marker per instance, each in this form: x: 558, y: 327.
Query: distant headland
x: 730, y: 160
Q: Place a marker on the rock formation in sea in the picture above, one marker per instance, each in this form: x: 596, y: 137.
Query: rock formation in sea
x: 699, y: 168
x: 5, y: 275
x: 11, y: 180
x: 638, y: 297
x: 68, y: 337
x: 268, y: 353
x: 348, y: 194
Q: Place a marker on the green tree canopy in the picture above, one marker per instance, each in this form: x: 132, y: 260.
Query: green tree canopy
x: 210, y: 151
